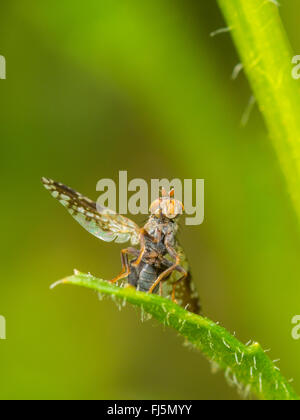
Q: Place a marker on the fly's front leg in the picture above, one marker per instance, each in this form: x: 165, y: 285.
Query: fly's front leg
x: 125, y: 263
x: 143, y: 248
x: 143, y: 234
x: 169, y: 270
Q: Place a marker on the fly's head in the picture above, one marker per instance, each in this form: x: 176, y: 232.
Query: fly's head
x: 167, y: 206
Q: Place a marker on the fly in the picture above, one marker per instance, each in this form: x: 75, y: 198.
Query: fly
x: 159, y: 265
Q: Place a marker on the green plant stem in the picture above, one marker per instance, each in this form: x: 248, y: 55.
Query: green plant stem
x: 247, y: 367
x: 266, y: 54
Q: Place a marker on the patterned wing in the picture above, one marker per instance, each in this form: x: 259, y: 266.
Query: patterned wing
x: 106, y: 226
x: 186, y: 293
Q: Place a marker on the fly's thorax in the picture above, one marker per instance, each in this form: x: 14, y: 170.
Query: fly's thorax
x: 160, y: 226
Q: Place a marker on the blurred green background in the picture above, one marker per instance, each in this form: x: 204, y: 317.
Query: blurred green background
x: 101, y: 86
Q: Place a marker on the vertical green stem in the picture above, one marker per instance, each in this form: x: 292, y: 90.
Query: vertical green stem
x: 266, y: 54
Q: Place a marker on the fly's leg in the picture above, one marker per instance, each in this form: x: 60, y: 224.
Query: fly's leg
x: 169, y: 270
x: 181, y: 270
x: 125, y: 263
x: 160, y: 288
x: 143, y: 248
x: 163, y: 275
x: 144, y: 233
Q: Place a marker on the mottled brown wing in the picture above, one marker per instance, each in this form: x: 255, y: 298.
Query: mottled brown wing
x: 186, y: 293
x: 106, y: 226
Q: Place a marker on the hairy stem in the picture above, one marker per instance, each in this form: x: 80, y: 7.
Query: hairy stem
x: 247, y: 367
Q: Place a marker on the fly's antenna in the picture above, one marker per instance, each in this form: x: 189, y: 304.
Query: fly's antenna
x: 166, y: 194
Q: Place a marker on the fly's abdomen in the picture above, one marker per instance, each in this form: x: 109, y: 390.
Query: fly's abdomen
x: 147, y: 277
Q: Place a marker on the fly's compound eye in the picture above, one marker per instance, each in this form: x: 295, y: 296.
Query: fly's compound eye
x: 171, y: 208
